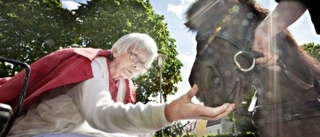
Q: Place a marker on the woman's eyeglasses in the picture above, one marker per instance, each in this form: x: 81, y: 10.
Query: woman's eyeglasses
x: 136, y: 59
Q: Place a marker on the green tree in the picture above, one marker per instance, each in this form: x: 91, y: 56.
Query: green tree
x: 312, y: 49
x: 105, y: 21
x: 29, y: 29
x: 176, y: 130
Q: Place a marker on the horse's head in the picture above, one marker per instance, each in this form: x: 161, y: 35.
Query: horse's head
x: 224, y: 39
x: 224, y: 68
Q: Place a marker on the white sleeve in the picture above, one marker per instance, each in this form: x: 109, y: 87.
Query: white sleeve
x: 101, y: 112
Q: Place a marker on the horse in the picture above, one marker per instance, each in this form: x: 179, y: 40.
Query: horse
x: 286, y: 103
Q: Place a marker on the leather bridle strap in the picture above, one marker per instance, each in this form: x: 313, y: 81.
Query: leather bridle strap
x: 290, y: 111
x: 295, y: 79
x: 231, y: 40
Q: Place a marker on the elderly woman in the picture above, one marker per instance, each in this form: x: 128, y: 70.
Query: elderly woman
x: 89, y: 92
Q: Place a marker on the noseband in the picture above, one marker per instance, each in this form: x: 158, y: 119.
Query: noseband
x: 244, y: 50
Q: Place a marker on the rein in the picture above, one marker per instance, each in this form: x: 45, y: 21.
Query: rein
x: 294, y: 78
x: 290, y: 111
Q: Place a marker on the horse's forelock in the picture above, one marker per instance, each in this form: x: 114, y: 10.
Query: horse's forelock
x: 197, y: 10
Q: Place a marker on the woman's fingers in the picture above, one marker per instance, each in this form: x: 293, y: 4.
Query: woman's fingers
x: 193, y: 91
x: 218, y: 112
x: 183, y: 108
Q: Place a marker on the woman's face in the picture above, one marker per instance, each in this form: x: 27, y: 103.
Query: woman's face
x: 130, y: 64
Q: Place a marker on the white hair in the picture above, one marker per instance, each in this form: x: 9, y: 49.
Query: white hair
x: 137, y: 40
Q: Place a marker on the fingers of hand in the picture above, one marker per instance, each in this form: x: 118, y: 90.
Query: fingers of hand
x: 261, y: 43
x: 216, y: 113
x: 272, y: 60
x: 183, y: 108
x: 256, y: 46
x: 264, y: 60
x: 193, y: 91
x: 275, y: 68
x: 225, y: 113
x: 268, y: 59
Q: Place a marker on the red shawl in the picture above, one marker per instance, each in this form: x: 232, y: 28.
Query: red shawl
x: 62, y: 67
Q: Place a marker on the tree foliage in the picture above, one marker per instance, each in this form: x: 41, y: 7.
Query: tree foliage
x: 176, y: 130
x: 312, y: 49
x: 30, y: 29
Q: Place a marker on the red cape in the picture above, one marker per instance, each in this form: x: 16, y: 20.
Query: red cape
x: 62, y: 67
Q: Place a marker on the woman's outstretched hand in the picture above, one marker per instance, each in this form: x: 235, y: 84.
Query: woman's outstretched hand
x: 183, y: 108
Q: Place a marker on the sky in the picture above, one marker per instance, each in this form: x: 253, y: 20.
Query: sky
x: 173, y: 11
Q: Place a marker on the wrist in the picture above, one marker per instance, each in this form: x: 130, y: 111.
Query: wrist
x: 168, y: 113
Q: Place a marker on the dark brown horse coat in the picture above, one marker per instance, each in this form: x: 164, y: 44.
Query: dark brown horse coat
x: 288, y: 102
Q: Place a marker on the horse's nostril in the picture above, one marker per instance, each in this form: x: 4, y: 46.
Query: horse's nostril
x: 214, y: 80
x: 227, y: 73
x: 215, y: 84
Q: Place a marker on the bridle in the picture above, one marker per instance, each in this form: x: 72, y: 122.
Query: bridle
x: 243, y: 50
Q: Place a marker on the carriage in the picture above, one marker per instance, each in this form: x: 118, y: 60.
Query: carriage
x: 8, y: 114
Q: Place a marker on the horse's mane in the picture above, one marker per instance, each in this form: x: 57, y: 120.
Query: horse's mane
x: 199, y: 13
x: 307, y: 59
x: 310, y: 61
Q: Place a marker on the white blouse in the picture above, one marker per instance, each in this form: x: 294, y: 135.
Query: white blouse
x: 87, y: 108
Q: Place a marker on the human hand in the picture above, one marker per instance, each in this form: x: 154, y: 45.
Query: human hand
x: 262, y: 44
x: 183, y: 108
